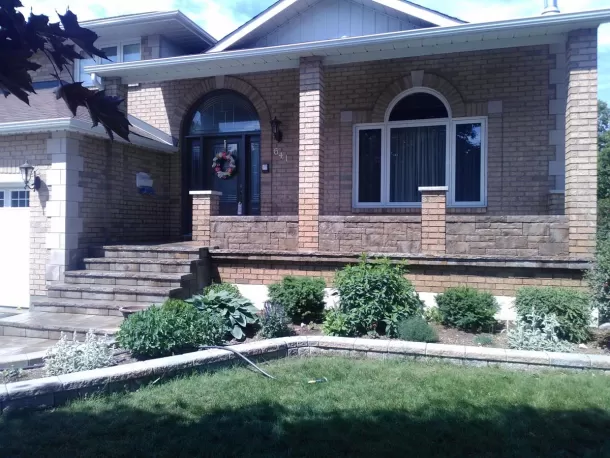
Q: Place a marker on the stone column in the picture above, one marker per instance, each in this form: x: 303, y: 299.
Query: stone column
x: 311, y: 148
x: 433, y: 219
x: 114, y: 86
x: 205, y: 205
x: 581, y: 141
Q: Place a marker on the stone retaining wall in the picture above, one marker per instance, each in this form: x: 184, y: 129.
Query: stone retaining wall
x: 55, y: 391
x: 254, y: 232
x: 507, y: 235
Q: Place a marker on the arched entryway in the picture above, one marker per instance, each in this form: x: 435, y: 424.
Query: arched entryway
x: 223, y: 121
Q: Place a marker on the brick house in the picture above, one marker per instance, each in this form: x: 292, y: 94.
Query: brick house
x: 355, y: 125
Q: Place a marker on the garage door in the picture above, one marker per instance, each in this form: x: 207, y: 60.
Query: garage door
x: 14, y: 247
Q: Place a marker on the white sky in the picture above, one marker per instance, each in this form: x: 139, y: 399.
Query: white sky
x: 220, y: 17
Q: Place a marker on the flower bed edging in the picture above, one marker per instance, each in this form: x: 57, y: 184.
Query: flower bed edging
x: 55, y: 391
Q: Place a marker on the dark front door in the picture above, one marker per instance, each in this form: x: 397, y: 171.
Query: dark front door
x: 232, y: 188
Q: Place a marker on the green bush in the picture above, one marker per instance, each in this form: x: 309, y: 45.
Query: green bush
x: 484, y: 341
x: 433, y: 315
x: 374, y: 296
x: 467, y: 309
x: 218, y: 287
x: 236, y: 312
x: 336, y: 323
x: 599, y: 279
x: 274, y: 322
x: 301, y: 297
x: 174, y: 327
x: 537, y: 332
x: 416, y: 329
x: 572, y: 309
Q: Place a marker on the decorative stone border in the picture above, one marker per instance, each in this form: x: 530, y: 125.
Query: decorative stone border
x: 55, y: 391
x: 21, y: 360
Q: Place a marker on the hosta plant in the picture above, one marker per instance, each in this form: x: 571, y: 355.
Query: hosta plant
x: 237, y: 312
x: 68, y: 356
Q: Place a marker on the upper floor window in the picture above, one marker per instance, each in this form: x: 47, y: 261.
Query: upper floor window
x: 128, y: 51
x: 419, y: 144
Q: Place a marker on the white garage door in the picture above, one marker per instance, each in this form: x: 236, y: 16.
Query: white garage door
x: 14, y: 247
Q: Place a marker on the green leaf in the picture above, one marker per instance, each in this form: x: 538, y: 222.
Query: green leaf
x: 237, y: 332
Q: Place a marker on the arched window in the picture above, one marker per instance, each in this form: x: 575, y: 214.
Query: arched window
x: 420, y: 144
x: 224, y: 112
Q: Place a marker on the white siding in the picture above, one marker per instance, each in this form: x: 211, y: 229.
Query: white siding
x: 330, y: 19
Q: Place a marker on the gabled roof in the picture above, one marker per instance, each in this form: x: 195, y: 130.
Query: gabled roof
x: 283, y: 10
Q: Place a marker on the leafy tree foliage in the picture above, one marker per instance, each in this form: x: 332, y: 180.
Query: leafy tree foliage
x: 21, y: 39
x: 603, y: 187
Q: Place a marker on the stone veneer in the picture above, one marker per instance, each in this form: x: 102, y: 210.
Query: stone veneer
x: 433, y: 219
x: 277, y: 233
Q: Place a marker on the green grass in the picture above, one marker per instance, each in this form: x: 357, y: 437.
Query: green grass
x: 368, y: 408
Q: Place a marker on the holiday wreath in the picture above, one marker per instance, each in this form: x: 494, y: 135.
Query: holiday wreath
x: 224, y: 165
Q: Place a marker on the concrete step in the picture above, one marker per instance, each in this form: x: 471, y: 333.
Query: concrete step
x: 146, y: 294
x: 170, y: 251
x: 140, y: 265
x: 80, y: 306
x: 44, y: 325
x: 99, y: 277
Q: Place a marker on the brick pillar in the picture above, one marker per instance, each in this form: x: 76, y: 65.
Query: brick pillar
x: 581, y: 141
x: 433, y: 219
x: 205, y: 205
x: 311, y: 148
x: 114, y: 86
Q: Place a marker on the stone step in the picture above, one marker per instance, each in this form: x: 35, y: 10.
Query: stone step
x: 99, y: 277
x: 140, y: 265
x: 80, y: 306
x: 146, y: 294
x: 44, y: 325
x: 170, y: 251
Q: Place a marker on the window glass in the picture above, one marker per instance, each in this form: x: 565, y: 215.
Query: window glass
x: 111, y: 53
x: 417, y: 158
x: 468, y: 153
x: 1, y: 198
x: 369, y: 165
x: 223, y: 112
x: 131, y: 52
x: 420, y: 105
x: 85, y: 77
x: 20, y: 198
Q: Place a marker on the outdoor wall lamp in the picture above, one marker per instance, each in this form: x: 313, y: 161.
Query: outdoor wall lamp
x: 275, y: 129
x: 29, y: 177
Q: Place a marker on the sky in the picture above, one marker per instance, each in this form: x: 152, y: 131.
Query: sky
x: 220, y: 17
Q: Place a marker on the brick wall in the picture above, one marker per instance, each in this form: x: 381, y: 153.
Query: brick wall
x: 276, y: 233
x: 503, y: 236
x: 14, y: 150
x: 370, y: 233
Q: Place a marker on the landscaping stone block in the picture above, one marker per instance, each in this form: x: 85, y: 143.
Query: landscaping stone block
x: 599, y: 362
x: 528, y: 357
x: 32, y: 388
x: 407, y: 348
x: 488, y: 354
x: 570, y: 360
x: 371, y: 345
x: 448, y: 351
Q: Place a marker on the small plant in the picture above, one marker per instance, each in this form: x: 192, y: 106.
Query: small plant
x: 538, y: 332
x: 274, y: 322
x: 236, y: 312
x: 173, y: 328
x: 599, y: 278
x: 12, y: 374
x: 68, y: 356
x: 336, y: 323
x: 416, y: 329
x: 483, y: 341
x: 433, y: 315
x: 571, y: 308
x: 467, y: 309
x: 301, y: 297
x: 218, y: 287
x: 375, y: 295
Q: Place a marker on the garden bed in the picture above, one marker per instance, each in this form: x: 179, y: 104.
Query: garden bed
x: 367, y: 408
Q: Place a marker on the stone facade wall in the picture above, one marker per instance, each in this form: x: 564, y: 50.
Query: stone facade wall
x: 14, y: 150
x: 371, y: 233
x: 275, y: 233
x: 517, y: 236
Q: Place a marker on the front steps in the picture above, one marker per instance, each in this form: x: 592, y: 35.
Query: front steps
x: 121, y: 276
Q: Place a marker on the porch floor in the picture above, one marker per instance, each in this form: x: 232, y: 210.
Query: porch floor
x: 10, y: 346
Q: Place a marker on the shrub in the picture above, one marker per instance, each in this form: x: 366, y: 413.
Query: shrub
x: 301, y: 297
x: 416, y: 329
x: 375, y: 296
x: 237, y: 312
x: 336, y: 323
x: 599, y: 279
x: 218, y: 287
x: 538, y: 332
x: 467, y: 309
x: 484, y: 341
x: 68, y: 356
x: 274, y: 322
x: 175, y: 327
x: 433, y: 315
x: 571, y: 308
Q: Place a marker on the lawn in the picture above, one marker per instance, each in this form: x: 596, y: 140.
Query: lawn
x: 368, y: 408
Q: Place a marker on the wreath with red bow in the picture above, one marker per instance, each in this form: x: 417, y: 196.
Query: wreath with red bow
x: 224, y: 165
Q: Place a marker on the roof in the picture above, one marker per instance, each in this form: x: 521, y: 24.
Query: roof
x: 282, y: 10
x: 46, y: 113
x: 174, y: 25
x: 420, y: 42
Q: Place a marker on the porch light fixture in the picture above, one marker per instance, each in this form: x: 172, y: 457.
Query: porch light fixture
x: 29, y: 177
x: 275, y: 129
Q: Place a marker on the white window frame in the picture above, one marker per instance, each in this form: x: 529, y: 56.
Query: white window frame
x: 450, y: 171
x: 7, y: 196
x: 98, y: 60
